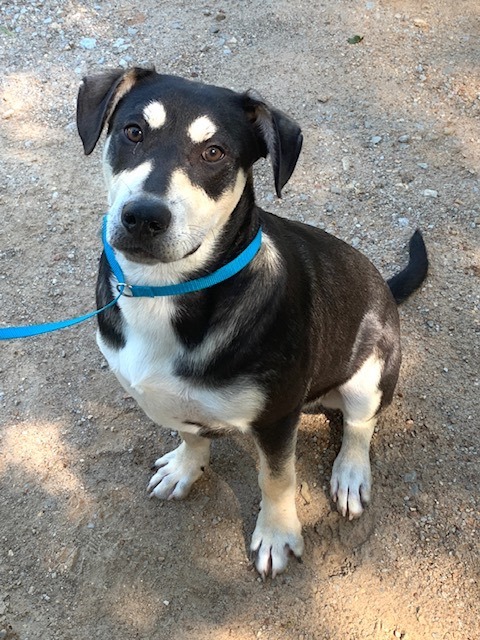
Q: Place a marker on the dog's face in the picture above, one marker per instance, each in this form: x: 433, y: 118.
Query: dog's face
x: 177, y: 157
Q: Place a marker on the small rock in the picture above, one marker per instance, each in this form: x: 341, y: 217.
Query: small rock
x: 3, y: 634
x: 430, y: 193
x: 410, y: 477
x: 404, y: 138
x: 422, y: 165
x: 220, y: 16
x: 421, y: 24
x: 375, y: 139
x: 8, y: 114
x: 403, y: 222
x: 335, y: 189
x: 88, y: 43
x: 346, y: 164
x: 407, y: 177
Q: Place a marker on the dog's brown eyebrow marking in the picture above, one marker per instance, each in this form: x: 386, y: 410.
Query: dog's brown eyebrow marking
x: 155, y: 114
x: 201, y: 129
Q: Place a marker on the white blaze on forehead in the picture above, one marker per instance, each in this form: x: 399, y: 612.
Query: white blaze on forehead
x: 201, y: 129
x: 155, y: 114
x: 126, y: 184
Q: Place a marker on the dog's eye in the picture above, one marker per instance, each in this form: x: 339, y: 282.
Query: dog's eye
x: 133, y: 133
x: 213, y: 154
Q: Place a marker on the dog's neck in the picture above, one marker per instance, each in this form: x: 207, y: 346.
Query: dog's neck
x: 240, y: 228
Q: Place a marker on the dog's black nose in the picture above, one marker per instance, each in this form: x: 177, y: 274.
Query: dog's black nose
x: 146, y: 217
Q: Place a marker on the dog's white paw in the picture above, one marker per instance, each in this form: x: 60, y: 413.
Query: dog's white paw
x: 177, y: 471
x: 274, y: 541
x: 351, y: 483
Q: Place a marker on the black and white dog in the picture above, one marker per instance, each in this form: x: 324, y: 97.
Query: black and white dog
x: 308, y: 320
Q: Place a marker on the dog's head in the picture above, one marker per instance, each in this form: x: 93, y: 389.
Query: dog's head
x: 177, y: 156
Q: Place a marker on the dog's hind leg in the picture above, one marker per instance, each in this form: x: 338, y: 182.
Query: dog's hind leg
x: 278, y: 532
x: 360, y: 400
x: 180, y: 468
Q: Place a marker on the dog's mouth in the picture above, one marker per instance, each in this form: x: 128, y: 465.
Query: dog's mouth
x: 144, y: 256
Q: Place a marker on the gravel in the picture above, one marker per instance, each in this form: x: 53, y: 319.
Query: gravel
x: 391, y: 130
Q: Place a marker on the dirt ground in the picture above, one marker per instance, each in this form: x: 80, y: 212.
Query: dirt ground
x: 392, y: 135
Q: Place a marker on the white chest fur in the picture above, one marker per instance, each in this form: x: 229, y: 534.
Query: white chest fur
x: 145, y: 366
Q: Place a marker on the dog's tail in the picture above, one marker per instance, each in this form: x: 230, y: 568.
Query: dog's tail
x: 403, y: 284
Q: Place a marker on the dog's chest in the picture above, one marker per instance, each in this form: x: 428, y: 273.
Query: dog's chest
x: 146, y: 367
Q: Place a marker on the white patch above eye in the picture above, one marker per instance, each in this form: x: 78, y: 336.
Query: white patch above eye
x: 155, y: 115
x: 201, y: 129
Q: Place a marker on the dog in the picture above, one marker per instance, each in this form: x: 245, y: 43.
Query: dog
x: 309, y: 320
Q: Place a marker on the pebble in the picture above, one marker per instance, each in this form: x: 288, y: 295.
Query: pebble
x: 403, y: 222
x: 410, y: 477
x: 404, y: 138
x: 430, y: 193
x: 422, y: 165
x: 375, y: 139
x: 421, y: 24
x: 88, y: 43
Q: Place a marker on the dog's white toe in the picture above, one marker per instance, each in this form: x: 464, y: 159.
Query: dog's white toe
x: 273, y: 544
x: 351, y: 483
x: 177, y: 471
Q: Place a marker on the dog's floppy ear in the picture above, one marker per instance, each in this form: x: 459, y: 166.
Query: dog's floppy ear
x: 277, y: 135
x: 97, y: 98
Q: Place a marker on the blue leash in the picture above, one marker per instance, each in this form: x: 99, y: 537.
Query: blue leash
x: 136, y: 291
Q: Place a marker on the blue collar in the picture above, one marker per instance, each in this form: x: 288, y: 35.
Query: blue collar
x: 225, y: 272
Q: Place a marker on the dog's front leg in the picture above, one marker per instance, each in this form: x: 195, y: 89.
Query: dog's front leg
x: 180, y: 468
x: 278, y: 532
